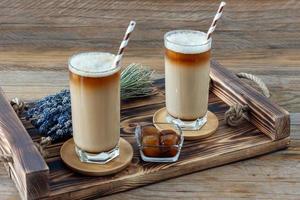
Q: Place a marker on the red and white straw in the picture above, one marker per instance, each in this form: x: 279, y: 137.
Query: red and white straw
x: 217, y: 17
x: 124, y: 43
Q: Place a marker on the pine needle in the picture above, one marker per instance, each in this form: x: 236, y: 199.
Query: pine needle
x: 136, y: 81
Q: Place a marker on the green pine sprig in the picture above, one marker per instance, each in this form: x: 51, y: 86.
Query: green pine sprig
x: 136, y: 82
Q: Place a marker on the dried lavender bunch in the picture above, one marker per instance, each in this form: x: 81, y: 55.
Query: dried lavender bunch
x: 51, y: 115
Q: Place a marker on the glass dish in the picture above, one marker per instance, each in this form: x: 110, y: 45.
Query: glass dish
x: 159, y: 153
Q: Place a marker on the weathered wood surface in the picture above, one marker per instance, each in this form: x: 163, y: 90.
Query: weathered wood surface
x: 268, y: 117
x: 225, y: 146
x: 27, y: 168
x: 260, y: 37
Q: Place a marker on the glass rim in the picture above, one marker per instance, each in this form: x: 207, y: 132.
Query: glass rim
x: 185, y: 45
x: 105, y: 73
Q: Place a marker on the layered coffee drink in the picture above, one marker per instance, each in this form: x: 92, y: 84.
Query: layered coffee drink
x: 187, y: 65
x: 95, y: 99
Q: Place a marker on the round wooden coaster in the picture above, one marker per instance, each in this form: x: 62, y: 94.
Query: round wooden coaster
x: 70, y: 158
x: 207, y: 129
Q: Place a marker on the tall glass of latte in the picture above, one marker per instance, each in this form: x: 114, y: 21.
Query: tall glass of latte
x: 187, y: 64
x: 95, y: 99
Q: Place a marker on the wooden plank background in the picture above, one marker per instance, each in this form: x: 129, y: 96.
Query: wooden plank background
x: 258, y: 36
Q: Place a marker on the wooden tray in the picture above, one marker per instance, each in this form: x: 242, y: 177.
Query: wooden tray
x: 268, y: 130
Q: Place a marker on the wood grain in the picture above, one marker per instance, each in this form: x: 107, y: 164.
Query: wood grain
x: 70, y: 158
x: 206, y: 130
x: 28, y: 169
x: 268, y: 117
x: 259, y: 37
x: 225, y: 146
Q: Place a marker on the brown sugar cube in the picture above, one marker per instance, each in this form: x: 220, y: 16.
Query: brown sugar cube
x: 150, y: 141
x: 168, y: 138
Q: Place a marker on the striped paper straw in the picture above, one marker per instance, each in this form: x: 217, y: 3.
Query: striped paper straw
x: 217, y: 17
x: 124, y: 43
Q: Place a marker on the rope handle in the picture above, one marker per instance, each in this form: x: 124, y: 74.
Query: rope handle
x: 256, y: 80
x: 235, y: 115
x: 18, y: 105
x: 6, y: 158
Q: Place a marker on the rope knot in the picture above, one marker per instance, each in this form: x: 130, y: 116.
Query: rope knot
x: 45, y: 141
x: 234, y: 115
x: 18, y: 105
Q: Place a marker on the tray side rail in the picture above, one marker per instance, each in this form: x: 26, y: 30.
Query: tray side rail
x: 267, y: 116
x: 28, y: 169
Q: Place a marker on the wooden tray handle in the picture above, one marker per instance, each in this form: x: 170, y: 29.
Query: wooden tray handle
x: 236, y: 114
x: 26, y: 166
x: 268, y: 117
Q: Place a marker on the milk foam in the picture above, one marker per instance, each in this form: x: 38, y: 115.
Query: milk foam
x: 187, y: 41
x: 92, y: 64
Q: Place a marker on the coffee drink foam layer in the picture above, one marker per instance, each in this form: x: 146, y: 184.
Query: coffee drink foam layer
x: 92, y: 64
x: 187, y: 41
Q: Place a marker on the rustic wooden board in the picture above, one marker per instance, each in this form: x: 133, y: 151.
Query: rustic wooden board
x: 260, y: 37
x: 225, y: 146
x: 268, y: 117
x: 28, y: 169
